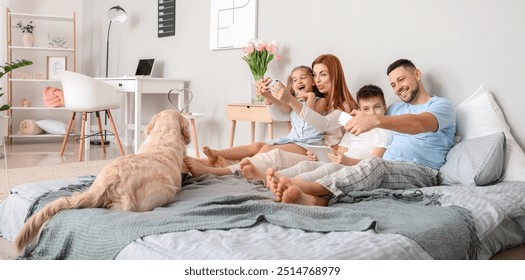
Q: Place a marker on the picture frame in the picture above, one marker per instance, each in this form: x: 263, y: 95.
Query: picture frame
x: 232, y: 23
x: 55, y: 64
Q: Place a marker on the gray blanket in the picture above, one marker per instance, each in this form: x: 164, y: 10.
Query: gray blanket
x: 210, y: 202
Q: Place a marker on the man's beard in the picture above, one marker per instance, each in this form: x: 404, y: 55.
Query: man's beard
x: 413, y: 94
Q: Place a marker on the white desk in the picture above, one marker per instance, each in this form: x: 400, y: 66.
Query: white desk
x: 139, y: 86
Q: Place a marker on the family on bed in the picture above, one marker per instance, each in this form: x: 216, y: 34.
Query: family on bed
x: 396, y: 148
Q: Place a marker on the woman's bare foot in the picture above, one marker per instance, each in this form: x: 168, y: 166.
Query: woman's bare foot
x: 289, y: 192
x: 250, y: 172
x: 196, y: 168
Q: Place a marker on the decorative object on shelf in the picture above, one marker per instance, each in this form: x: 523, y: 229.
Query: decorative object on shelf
x: 27, y: 32
x: 115, y: 14
x: 28, y: 75
x: 258, y: 55
x: 166, y: 18
x: 8, y: 67
x: 24, y: 102
x: 53, y: 97
x: 28, y: 39
x: 55, y: 64
x: 29, y: 127
x: 56, y: 41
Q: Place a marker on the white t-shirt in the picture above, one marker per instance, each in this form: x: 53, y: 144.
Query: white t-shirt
x: 361, y: 146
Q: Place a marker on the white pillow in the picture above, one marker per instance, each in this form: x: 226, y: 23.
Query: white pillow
x: 52, y: 126
x: 480, y: 115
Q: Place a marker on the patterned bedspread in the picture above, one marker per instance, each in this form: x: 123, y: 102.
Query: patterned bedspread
x: 218, y: 203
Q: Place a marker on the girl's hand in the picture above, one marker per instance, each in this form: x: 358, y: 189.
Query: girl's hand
x: 305, y: 95
x: 262, y: 89
x: 311, y: 156
x: 282, y: 93
x: 261, y: 86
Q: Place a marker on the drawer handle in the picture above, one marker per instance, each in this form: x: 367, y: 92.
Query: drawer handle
x: 119, y: 84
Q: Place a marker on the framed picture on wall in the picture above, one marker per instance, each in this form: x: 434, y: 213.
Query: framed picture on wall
x: 232, y: 23
x: 54, y: 64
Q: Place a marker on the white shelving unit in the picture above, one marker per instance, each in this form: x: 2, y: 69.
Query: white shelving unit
x: 28, y: 82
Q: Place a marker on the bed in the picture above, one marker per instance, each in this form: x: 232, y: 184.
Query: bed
x: 477, y: 210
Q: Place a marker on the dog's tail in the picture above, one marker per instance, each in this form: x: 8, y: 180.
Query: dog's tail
x: 28, y: 235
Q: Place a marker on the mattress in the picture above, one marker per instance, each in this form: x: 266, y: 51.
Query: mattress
x: 498, y: 212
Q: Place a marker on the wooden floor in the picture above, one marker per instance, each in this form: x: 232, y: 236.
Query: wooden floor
x: 29, y: 154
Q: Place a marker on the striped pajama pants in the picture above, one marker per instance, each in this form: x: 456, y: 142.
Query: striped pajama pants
x: 373, y: 173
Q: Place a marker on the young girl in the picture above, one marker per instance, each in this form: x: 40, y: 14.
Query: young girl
x: 301, y: 85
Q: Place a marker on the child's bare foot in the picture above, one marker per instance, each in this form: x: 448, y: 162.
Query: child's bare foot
x: 271, y: 179
x: 250, y: 172
x: 222, y: 162
x: 291, y: 193
x: 211, y: 154
x: 197, y: 168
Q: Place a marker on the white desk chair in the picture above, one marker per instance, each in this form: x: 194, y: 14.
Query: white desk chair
x: 83, y: 94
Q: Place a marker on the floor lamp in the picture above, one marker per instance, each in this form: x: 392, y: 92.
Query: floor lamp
x: 115, y: 14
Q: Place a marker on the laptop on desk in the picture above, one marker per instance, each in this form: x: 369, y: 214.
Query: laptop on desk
x: 145, y: 67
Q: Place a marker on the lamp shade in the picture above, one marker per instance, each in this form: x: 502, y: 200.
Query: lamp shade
x: 117, y: 14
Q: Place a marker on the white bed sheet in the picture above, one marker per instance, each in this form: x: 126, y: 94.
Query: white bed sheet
x: 498, y: 210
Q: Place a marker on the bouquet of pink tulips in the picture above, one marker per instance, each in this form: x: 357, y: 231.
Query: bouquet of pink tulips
x: 258, y: 55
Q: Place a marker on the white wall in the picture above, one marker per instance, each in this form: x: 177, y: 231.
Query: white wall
x: 458, y: 45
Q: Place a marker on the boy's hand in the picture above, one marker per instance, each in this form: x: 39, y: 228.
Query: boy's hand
x: 337, y: 157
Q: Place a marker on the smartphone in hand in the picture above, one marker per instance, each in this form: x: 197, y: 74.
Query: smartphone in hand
x: 344, y: 118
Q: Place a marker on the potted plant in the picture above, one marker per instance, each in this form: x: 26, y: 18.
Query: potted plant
x: 27, y: 32
x: 6, y: 69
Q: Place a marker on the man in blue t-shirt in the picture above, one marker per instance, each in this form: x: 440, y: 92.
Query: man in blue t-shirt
x: 423, y: 128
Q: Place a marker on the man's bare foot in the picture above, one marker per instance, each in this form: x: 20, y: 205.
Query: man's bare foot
x: 291, y: 193
x: 250, y: 172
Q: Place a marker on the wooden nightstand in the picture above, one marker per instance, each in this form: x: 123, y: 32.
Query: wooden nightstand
x: 248, y: 112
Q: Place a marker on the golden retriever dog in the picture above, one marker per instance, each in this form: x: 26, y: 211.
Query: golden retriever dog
x: 138, y: 182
